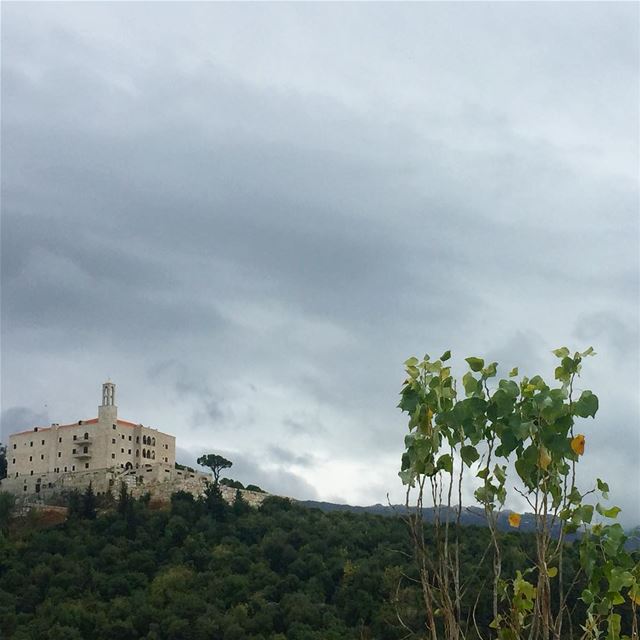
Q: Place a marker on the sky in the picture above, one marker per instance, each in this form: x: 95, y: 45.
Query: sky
x: 248, y: 216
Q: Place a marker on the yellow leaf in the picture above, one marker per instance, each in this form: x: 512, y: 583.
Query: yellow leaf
x: 552, y: 572
x: 514, y: 519
x: 544, y: 458
x: 577, y: 444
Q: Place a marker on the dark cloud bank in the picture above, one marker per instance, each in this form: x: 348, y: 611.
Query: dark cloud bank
x: 250, y: 234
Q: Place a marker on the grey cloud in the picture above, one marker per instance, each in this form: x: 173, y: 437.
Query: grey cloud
x: 266, y: 230
x: 250, y: 470
x: 17, y: 419
x: 284, y: 456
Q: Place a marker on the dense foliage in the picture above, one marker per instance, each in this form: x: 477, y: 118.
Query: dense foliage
x: 203, y: 570
x: 513, y: 437
x: 3, y: 461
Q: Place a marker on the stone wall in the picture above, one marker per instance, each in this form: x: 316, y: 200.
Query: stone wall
x: 195, y: 485
x: 160, y: 481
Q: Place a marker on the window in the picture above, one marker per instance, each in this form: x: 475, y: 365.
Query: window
x: 144, y: 453
x: 43, y: 443
x: 86, y: 449
x: 122, y: 436
x: 75, y: 437
x: 73, y: 468
x: 73, y: 450
x: 153, y: 455
x: 14, y: 446
x: 137, y: 453
x: 16, y: 474
x: 129, y: 451
x: 153, y: 442
x: 86, y: 435
x: 59, y: 439
x: 30, y: 458
x: 113, y: 456
x: 65, y: 469
x: 144, y: 439
x: 137, y: 441
x: 31, y: 444
x: 129, y: 438
x: 113, y: 440
x: 24, y: 488
x: 114, y: 426
x: 42, y: 456
x: 31, y: 471
x: 13, y: 461
x: 121, y: 450
x: 59, y: 454
x: 86, y: 465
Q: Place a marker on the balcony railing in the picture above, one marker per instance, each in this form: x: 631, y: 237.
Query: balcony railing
x: 82, y: 440
x: 82, y: 454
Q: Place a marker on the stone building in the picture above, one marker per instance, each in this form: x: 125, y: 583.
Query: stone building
x: 99, y: 450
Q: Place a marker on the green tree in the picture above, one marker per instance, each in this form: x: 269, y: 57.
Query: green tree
x: 532, y: 424
x: 7, y: 507
x: 74, y: 504
x: 216, y: 463
x: 88, y: 508
x: 3, y: 461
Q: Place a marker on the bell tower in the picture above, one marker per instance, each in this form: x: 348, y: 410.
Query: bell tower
x: 108, y: 411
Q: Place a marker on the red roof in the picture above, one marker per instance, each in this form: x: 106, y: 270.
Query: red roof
x: 124, y: 423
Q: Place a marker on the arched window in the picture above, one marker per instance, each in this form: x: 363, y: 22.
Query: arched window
x: 86, y: 435
x: 153, y: 442
x: 144, y: 439
x: 153, y: 455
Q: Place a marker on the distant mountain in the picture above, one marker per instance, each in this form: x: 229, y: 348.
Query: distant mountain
x: 470, y: 516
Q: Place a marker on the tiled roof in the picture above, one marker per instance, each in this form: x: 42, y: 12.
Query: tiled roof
x: 124, y: 423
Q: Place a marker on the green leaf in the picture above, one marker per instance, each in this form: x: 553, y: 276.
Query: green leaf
x: 587, y: 405
x: 612, y: 512
x: 588, y: 352
x: 469, y: 455
x: 613, y: 628
x: 499, y: 473
x: 445, y: 356
x: 586, y: 511
x: 514, y: 372
x: 603, y: 487
x: 470, y: 384
x: 411, y: 362
x: 409, y: 400
x: 562, y: 352
x: 445, y: 462
x: 407, y: 476
x: 490, y: 370
x: 475, y: 364
x: 483, y: 473
x: 620, y: 579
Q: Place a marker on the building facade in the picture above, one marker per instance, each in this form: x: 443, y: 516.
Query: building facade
x: 99, y: 450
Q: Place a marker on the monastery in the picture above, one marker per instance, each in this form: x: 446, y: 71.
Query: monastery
x: 104, y: 451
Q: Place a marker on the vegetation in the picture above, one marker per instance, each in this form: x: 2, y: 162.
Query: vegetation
x: 200, y: 568
x: 216, y: 463
x: 203, y: 570
x: 3, y: 461
x: 527, y: 426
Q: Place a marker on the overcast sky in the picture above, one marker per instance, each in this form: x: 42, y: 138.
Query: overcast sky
x: 249, y: 215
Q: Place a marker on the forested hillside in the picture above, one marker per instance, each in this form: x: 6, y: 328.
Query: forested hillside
x: 200, y: 570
